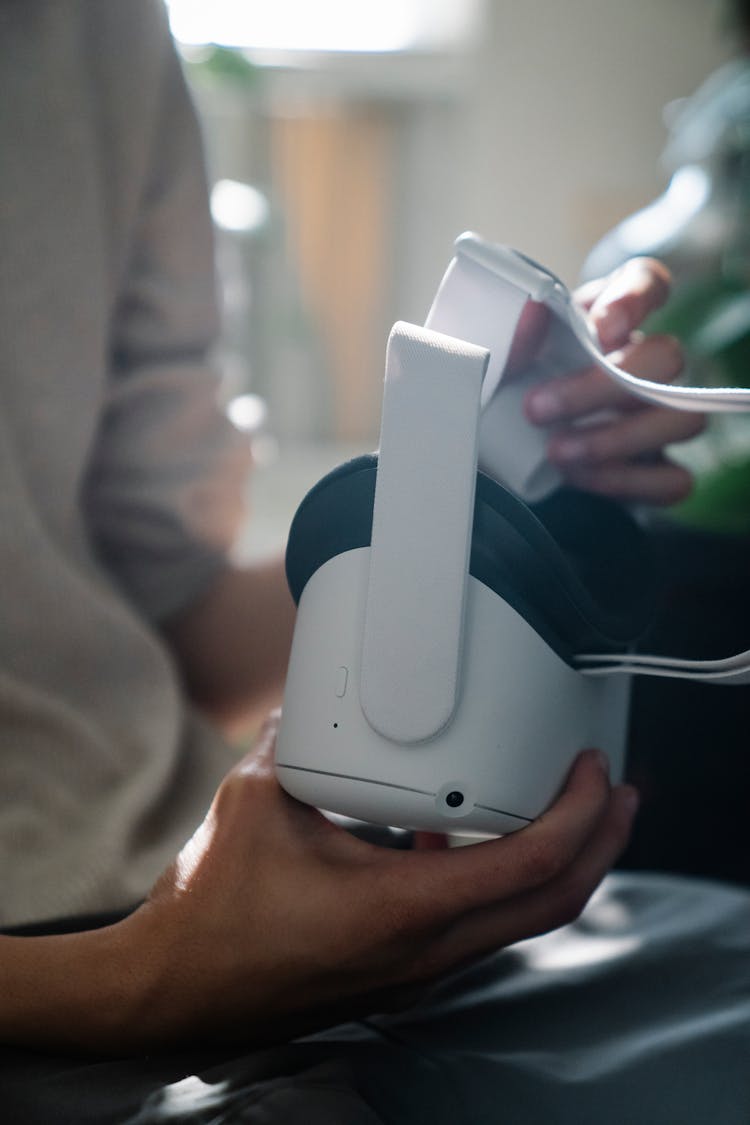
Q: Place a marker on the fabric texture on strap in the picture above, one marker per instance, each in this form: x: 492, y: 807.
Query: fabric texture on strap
x: 421, y: 533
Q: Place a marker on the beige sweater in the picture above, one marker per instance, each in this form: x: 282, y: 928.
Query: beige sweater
x: 120, y: 479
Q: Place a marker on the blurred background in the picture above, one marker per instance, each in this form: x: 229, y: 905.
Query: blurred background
x: 348, y: 145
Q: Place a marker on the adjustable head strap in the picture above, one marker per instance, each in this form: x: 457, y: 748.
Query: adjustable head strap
x: 421, y: 533
x: 476, y: 302
x: 480, y: 299
x: 425, y: 485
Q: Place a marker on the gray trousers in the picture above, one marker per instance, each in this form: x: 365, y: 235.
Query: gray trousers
x: 638, y: 1014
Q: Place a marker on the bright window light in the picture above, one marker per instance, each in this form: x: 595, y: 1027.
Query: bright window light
x: 238, y: 207
x: 324, y: 25
x: 248, y: 412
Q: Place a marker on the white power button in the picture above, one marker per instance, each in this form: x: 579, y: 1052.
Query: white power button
x: 342, y: 675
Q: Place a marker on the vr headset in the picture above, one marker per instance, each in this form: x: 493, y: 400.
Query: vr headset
x: 464, y: 623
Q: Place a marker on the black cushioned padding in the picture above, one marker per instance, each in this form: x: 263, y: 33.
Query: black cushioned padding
x: 576, y: 567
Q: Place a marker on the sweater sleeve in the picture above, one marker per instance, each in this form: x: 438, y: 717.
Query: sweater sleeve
x: 164, y: 494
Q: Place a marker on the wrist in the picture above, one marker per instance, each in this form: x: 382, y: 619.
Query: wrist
x: 81, y: 990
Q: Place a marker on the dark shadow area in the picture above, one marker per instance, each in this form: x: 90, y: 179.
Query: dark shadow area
x: 688, y: 743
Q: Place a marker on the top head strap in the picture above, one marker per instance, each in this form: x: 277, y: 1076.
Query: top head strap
x: 480, y: 299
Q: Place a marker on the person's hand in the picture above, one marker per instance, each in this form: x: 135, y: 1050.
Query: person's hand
x: 623, y: 455
x: 273, y: 921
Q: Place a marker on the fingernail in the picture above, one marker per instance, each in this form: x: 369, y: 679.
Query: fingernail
x: 543, y: 406
x: 603, y: 762
x: 271, y: 722
x: 631, y: 799
x: 600, y: 759
x: 612, y: 325
x: 568, y: 449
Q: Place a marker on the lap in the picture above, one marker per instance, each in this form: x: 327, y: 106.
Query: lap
x: 640, y: 1011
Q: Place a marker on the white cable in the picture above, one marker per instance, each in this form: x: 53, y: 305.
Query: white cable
x: 480, y: 300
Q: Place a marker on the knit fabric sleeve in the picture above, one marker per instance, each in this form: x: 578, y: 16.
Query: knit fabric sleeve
x: 164, y: 494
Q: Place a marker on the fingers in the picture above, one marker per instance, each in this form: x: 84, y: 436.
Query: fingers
x: 252, y: 797
x: 474, y: 876
x: 557, y: 902
x: 301, y: 918
x: 658, y: 483
x: 620, y: 303
x: 430, y: 841
x: 482, y: 893
x: 621, y: 455
x: 623, y: 458
x: 656, y: 358
x: 259, y: 760
x: 631, y: 435
x: 617, y: 305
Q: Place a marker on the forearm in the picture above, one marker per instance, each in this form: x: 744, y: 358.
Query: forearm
x: 233, y: 644
x: 71, y: 990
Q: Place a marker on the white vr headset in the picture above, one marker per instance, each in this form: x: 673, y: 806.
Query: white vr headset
x: 461, y: 635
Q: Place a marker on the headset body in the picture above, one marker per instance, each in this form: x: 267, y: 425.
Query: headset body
x: 523, y: 710
x: 462, y: 635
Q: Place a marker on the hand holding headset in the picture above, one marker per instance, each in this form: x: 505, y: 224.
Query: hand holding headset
x: 464, y: 624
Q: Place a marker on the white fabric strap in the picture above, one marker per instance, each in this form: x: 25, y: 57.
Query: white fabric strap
x: 421, y: 533
x: 479, y: 305
x: 475, y: 304
x: 712, y: 400
x: 480, y: 299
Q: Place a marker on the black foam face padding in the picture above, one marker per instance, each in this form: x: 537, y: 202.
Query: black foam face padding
x: 577, y: 567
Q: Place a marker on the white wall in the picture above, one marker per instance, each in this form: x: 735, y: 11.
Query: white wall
x: 559, y: 134
x: 543, y: 136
